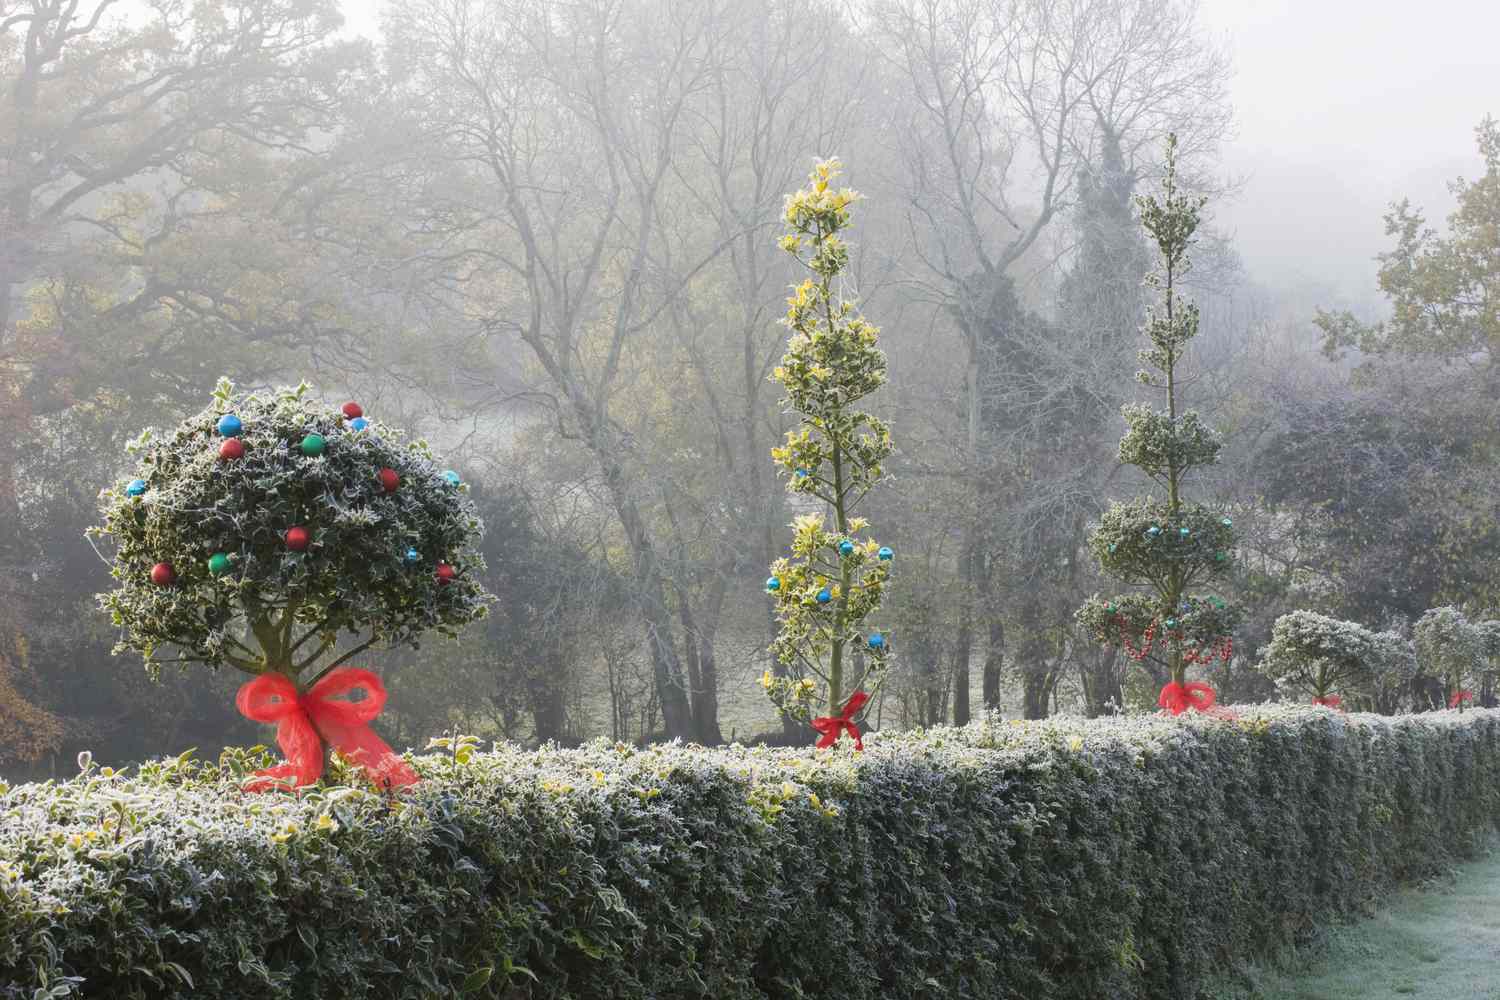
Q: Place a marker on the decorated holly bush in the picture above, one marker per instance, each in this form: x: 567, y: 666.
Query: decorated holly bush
x: 1454, y: 650
x: 281, y: 537
x: 831, y: 583
x: 1164, y: 545
x: 1329, y: 660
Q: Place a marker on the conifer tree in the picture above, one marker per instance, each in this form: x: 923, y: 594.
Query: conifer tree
x: 833, y: 579
x: 1165, y: 545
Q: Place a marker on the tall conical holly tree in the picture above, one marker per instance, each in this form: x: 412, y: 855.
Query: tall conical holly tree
x: 1166, y: 544
x: 262, y: 529
x: 832, y: 581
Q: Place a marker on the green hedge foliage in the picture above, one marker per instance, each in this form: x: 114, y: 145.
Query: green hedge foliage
x: 1064, y: 858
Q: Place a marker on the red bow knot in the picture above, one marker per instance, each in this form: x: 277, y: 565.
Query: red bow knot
x: 832, y: 726
x: 1178, y: 698
x: 1331, y: 701
x: 1460, y: 696
x: 304, y: 722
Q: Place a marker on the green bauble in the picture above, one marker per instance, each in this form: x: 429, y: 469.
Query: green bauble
x: 218, y: 564
x: 312, y: 445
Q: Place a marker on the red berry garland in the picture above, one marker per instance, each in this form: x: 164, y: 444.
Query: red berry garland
x: 1130, y: 648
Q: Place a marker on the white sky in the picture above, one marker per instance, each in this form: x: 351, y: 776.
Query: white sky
x: 1341, y: 107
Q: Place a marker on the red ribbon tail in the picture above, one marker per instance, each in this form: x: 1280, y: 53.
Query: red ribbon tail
x: 1178, y: 698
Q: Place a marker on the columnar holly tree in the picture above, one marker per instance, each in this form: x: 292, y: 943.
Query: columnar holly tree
x: 831, y: 582
x: 1164, y: 544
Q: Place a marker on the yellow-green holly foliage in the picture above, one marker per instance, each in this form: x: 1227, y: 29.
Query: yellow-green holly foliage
x: 1165, y: 544
x: 240, y: 595
x: 835, y: 456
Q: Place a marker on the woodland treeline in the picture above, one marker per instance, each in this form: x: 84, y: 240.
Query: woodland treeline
x: 544, y: 233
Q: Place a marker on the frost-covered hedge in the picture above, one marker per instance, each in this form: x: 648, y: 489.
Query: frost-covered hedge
x: 1058, y: 859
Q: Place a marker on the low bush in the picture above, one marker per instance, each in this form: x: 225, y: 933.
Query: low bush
x: 1057, y: 859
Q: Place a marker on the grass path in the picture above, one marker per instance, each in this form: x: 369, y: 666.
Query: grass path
x: 1437, y: 943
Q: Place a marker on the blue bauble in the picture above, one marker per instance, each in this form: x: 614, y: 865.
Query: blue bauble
x: 877, y: 641
x: 773, y: 583
x: 452, y: 477
x: 136, y: 488
x: 1227, y: 523
x: 1183, y: 532
x: 800, y: 473
x: 1112, y: 546
x: 1153, y: 530
x: 824, y: 596
x: 885, y: 553
x: 359, y: 423
x: 230, y: 426
x: 412, y: 555
x: 1170, y: 623
x: 846, y: 548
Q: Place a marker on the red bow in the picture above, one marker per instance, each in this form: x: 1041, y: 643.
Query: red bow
x: 1178, y: 698
x: 1459, y: 697
x: 1330, y: 700
x: 304, y: 722
x: 831, y: 726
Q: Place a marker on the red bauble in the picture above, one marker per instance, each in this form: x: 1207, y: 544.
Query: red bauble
x: 297, y: 538
x: 231, y: 449
x: 445, y: 573
x: 389, y: 480
x: 163, y: 575
x: 352, y: 410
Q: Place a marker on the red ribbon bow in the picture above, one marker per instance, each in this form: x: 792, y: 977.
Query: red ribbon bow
x: 1178, y: 698
x: 831, y: 726
x: 1460, y: 696
x: 1331, y: 701
x: 304, y: 722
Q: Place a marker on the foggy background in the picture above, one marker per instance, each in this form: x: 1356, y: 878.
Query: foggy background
x: 262, y: 190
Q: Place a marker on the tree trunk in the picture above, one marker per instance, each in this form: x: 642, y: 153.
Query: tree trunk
x: 994, y: 660
x: 547, y: 711
x: 964, y: 639
x: 706, y: 697
x: 651, y: 594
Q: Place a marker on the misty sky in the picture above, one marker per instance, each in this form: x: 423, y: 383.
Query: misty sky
x: 1341, y: 107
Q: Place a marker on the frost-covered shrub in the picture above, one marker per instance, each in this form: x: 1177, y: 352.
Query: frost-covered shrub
x: 1060, y: 859
x: 1325, y: 658
x: 1454, y: 651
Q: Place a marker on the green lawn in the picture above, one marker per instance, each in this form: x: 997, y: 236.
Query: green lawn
x: 1441, y: 942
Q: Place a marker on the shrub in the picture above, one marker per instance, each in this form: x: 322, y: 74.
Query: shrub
x: 1319, y: 656
x: 262, y: 528
x: 1067, y: 859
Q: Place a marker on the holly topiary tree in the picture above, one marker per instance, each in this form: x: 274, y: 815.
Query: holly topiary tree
x: 1453, y: 650
x: 832, y: 581
x: 282, y: 537
x: 1165, y: 545
x: 1329, y: 659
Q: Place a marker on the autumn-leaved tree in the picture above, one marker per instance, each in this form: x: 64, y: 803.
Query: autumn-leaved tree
x: 1164, y: 544
x: 833, y: 579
